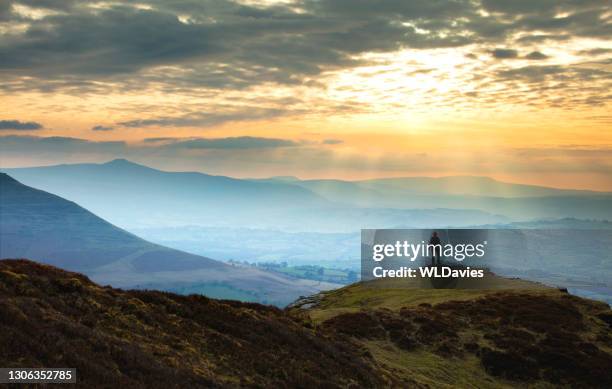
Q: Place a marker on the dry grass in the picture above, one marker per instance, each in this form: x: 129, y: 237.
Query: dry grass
x: 520, y: 334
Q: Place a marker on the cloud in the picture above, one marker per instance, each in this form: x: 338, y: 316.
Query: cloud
x: 277, y: 43
x: 536, y: 55
x: 540, y: 8
x: 56, y: 145
x: 595, y: 52
x: 102, y: 128
x: 539, y: 38
x: 231, y: 44
x: 538, y: 74
x: 19, y: 126
x: 208, y: 119
x: 214, y: 48
x: 504, y: 53
x: 242, y: 142
x: 332, y: 141
x: 160, y: 139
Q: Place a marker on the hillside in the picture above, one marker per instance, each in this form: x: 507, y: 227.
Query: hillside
x: 145, y: 339
x: 362, y: 335
x: 38, y: 225
x: 519, y: 334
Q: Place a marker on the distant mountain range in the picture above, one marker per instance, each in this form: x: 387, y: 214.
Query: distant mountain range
x: 126, y: 193
x: 38, y: 225
x: 428, y: 186
x: 515, y: 201
x: 132, y: 195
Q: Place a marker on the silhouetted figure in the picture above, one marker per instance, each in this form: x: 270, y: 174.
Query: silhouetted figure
x: 437, y: 251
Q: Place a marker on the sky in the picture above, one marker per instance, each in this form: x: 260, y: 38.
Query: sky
x: 352, y: 89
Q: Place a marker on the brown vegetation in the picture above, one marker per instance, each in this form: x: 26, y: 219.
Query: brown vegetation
x: 559, y: 339
x: 116, y: 338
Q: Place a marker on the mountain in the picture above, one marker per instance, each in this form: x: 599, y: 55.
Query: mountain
x: 371, y: 336
x: 136, y: 196
x: 38, y: 225
x: 516, y: 201
x: 127, y: 193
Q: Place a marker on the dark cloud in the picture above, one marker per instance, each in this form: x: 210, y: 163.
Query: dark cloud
x: 595, y: 52
x: 540, y: 7
x: 539, y: 38
x: 33, y: 145
x: 222, y: 152
x: 332, y: 141
x: 504, y: 53
x: 241, y: 142
x: 207, y: 119
x: 560, y: 86
x: 537, y: 74
x: 102, y: 128
x: 54, y: 5
x: 536, y: 55
x: 520, y: 6
x: 160, y: 139
x: 188, y: 46
x: 18, y: 125
x: 275, y: 43
x: 6, y: 11
x: 226, y: 44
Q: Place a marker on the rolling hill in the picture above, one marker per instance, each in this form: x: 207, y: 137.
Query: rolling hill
x: 41, y: 226
x: 149, y: 339
x: 126, y: 193
x: 364, y: 335
x: 510, y: 334
x: 135, y: 196
x: 516, y: 201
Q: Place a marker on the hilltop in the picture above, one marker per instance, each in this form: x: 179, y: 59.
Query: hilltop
x: 363, y: 335
x: 514, y: 333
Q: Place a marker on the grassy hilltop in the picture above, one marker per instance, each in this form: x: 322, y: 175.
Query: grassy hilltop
x: 496, y: 333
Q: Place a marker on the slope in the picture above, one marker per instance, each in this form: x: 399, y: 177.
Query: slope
x: 145, y: 339
x: 521, y: 336
x: 517, y: 334
x: 38, y: 225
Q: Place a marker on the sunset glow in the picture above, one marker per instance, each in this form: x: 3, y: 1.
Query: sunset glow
x: 517, y: 92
